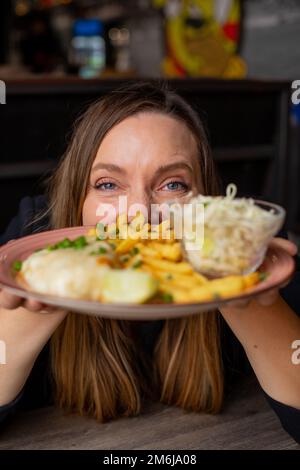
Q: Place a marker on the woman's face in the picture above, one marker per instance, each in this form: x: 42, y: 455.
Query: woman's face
x: 149, y: 158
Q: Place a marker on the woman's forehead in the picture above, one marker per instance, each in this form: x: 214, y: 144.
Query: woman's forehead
x: 148, y: 136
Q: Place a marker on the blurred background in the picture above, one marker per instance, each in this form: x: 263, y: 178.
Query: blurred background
x: 234, y: 60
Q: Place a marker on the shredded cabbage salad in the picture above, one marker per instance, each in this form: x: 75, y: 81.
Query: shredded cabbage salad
x: 236, y: 234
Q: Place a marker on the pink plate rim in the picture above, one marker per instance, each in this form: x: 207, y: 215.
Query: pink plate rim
x: 22, y: 247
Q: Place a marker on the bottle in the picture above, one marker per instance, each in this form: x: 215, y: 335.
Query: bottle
x: 87, y: 52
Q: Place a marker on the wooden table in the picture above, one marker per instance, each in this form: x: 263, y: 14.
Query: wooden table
x: 247, y: 422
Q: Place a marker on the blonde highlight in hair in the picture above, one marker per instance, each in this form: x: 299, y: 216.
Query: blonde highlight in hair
x: 98, y: 365
x: 188, y: 366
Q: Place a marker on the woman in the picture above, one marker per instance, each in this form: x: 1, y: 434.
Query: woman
x: 146, y: 143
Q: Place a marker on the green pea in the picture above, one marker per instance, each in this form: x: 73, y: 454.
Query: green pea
x: 17, y: 265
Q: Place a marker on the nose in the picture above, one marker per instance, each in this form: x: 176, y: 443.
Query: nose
x: 139, y: 201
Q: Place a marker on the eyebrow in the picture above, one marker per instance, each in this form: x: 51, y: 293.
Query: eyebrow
x: 161, y: 169
x: 174, y: 166
x: 108, y: 167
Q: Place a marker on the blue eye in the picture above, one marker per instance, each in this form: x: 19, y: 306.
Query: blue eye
x: 176, y: 185
x: 107, y: 186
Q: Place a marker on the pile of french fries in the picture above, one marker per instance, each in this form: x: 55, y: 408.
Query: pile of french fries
x: 155, y: 250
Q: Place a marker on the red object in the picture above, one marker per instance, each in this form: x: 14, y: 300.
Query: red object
x: 232, y: 31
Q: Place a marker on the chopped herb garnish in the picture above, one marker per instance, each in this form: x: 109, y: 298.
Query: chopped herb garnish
x: 52, y: 247
x: 263, y: 276
x: 79, y: 242
x: 66, y: 243
x: 124, y: 258
x: 17, y: 265
x: 134, y: 251
x: 216, y: 296
x: 169, y: 276
x: 168, y: 298
x: 100, y: 251
x: 113, y: 245
x: 137, y: 264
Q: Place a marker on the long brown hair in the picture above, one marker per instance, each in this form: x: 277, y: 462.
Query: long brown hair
x: 98, y: 365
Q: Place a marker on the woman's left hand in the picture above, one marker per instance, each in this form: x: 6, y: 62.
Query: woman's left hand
x: 269, y: 297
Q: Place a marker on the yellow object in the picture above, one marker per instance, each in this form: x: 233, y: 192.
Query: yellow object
x: 202, y: 38
x: 125, y: 245
x: 128, y: 286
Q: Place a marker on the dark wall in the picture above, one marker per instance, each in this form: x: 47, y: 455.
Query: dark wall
x: 246, y: 122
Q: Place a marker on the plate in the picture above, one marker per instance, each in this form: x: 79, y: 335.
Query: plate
x: 278, y: 263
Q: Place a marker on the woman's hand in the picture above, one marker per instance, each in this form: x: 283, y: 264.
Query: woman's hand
x: 11, y: 302
x: 24, y: 334
x: 267, y: 327
x: 271, y: 296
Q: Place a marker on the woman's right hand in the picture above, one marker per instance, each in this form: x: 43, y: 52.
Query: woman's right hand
x: 10, y: 302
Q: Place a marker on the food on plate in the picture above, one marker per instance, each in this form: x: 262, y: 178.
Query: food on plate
x: 235, y: 234
x: 128, y: 286
x: 136, y: 269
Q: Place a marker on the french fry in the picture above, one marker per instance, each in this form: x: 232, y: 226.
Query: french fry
x: 146, y: 250
x: 202, y: 294
x: 138, y: 234
x: 220, y: 288
x: 125, y: 246
x: 200, y: 278
x: 164, y: 226
x: 112, y: 229
x: 178, y: 295
x: 177, y: 280
x: 135, y: 262
x: 122, y: 219
x: 166, y: 237
x: 169, y: 252
x: 169, y: 266
x: 137, y: 222
x: 251, y: 279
